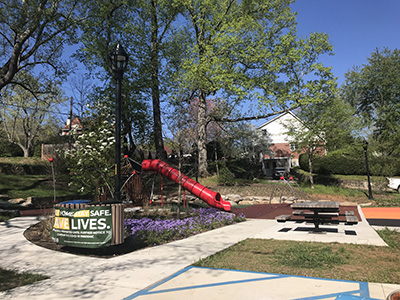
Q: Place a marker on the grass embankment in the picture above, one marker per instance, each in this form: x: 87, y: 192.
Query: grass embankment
x: 336, y: 261
x: 265, y: 188
x: 23, y: 186
x: 23, y: 160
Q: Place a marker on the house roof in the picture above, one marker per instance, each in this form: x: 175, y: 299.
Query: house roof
x: 75, y: 125
x: 278, y: 117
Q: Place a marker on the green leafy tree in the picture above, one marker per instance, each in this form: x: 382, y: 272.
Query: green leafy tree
x: 374, y: 90
x: 27, y: 116
x: 328, y: 125
x: 33, y: 32
x: 135, y: 119
x: 142, y: 27
x: 246, y: 142
x: 247, y: 50
x: 91, y: 158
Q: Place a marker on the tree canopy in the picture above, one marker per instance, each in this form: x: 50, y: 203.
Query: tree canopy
x: 248, y: 50
x: 26, y: 116
x: 33, y: 33
x: 374, y: 90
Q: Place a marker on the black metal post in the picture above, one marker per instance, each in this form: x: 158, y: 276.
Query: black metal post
x: 119, y: 61
x: 365, y: 145
x: 117, y: 167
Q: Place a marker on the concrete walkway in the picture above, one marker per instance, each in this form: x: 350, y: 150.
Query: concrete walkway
x: 127, y: 276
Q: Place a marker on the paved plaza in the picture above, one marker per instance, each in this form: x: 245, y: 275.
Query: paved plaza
x: 165, y: 272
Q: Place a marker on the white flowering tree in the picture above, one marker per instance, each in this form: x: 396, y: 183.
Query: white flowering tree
x: 91, y: 159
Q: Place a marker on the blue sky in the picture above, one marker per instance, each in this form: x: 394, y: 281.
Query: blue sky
x: 355, y: 28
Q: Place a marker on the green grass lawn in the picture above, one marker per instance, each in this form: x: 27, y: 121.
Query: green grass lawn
x: 10, y: 279
x: 23, y: 186
x: 334, y: 260
x: 23, y: 160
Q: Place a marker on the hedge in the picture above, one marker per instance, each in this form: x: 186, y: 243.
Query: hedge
x: 347, y: 165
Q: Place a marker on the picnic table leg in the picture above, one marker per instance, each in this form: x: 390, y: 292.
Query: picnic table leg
x: 316, y: 221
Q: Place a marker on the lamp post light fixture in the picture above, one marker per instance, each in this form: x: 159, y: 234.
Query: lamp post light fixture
x: 365, y: 146
x: 119, y: 61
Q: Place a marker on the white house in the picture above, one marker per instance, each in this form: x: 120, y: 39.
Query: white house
x: 284, y: 154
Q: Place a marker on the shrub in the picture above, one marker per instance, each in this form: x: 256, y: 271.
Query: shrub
x: 225, y: 177
x: 244, y: 168
x: 240, y: 168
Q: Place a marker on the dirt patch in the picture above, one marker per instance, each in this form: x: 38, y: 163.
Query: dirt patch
x: 339, y: 198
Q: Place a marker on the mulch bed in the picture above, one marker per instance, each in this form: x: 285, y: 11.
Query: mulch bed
x: 267, y: 211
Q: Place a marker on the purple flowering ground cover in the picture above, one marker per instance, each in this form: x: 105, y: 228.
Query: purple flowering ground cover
x: 151, y: 232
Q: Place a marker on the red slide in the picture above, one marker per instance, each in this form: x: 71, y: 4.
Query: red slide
x: 212, y: 198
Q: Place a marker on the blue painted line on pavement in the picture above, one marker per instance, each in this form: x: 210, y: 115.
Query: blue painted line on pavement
x: 363, y: 290
x: 297, y: 276
x: 201, y: 286
x: 325, y: 296
x: 145, y: 291
x: 352, y: 297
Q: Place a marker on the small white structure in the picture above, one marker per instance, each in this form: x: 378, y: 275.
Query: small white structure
x: 284, y: 154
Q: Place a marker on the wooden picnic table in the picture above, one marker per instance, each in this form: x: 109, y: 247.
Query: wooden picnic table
x: 318, y: 212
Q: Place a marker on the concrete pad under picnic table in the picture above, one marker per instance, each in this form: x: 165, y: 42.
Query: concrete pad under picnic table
x: 361, y: 233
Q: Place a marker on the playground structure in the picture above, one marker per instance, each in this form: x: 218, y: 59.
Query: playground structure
x: 283, y: 185
x: 133, y: 187
x: 136, y: 192
x: 213, y: 199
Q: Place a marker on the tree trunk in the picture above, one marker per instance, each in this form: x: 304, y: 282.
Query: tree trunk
x: 129, y: 145
x: 202, y: 134
x: 310, y: 166
x: 24, y: 149
x: 155, y: 84
x: 216, y: 159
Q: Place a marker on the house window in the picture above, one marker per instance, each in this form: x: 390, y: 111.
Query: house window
x: 293, y: 147
x: 264, y: 132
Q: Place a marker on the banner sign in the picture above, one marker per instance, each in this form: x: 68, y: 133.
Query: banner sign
x: 89, y: 227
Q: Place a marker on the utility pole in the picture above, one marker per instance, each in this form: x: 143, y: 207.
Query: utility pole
x: 365, y: 146
x: 70, y: 125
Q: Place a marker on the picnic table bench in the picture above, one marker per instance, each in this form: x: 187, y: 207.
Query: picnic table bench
x: 318, y: 212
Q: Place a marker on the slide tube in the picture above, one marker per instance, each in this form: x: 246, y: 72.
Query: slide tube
x: 213, y: 199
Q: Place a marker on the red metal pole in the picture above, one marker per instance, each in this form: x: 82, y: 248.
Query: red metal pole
x: 161, y: 191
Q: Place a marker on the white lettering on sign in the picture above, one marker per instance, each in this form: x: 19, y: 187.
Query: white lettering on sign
x: 100, y: 213
x: 102, y: 224
x: 66, y: 213
x: 91, y: 224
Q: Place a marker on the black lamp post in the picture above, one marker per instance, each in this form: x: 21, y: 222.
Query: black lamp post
x: 119, y: 61
x: 365, y: 146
